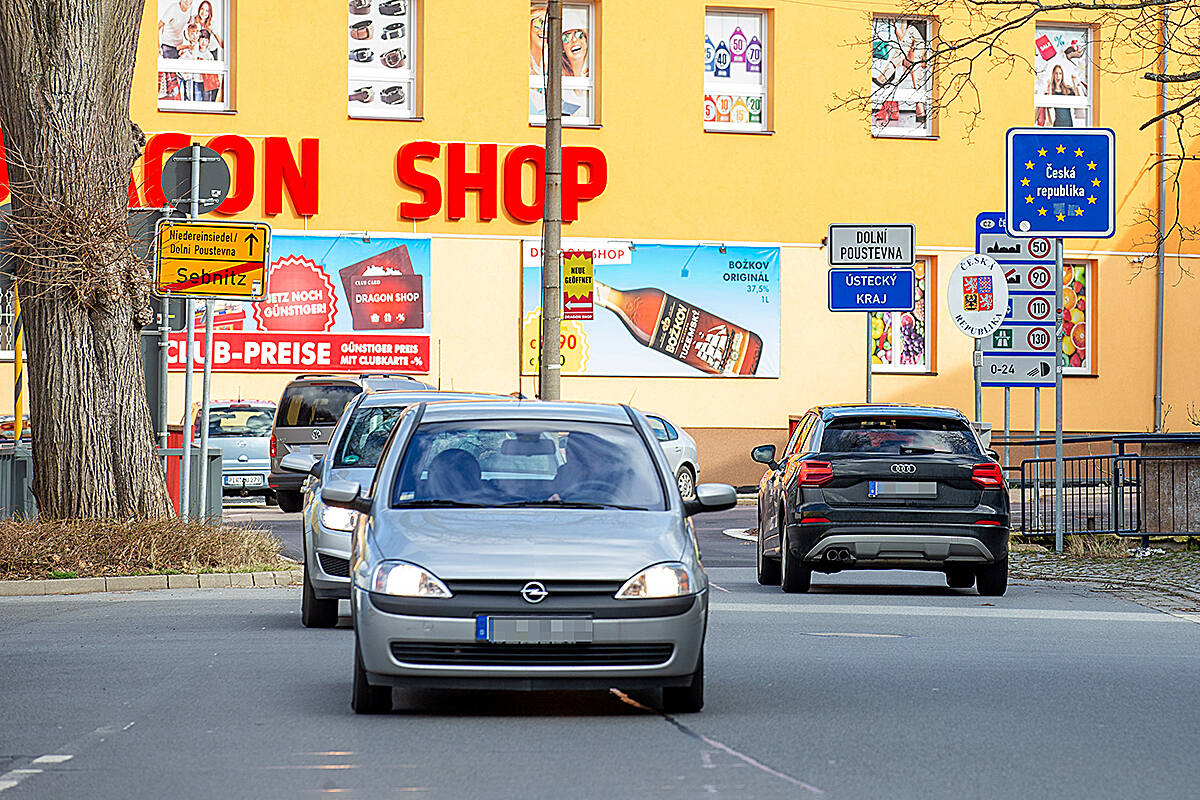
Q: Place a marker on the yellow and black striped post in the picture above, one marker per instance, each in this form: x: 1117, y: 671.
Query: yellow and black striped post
x: 18, y: 371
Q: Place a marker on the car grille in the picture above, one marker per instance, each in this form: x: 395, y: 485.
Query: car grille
x: 485, y: 654
x: 332, y: 565
x: 554, y: 587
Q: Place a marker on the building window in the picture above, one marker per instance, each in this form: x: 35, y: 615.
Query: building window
x: 901, y: 77
x: 735, y: 78
x: 193, y: 55
x: 1062, y: 60
x: 574, y: 55
x: 900, y: 340
x: 382, y: 46
x: 1078, y: 317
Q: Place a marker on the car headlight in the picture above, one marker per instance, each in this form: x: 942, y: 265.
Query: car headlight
x: 338, y: 519
x: 407, y: 580
x: 661, y: 580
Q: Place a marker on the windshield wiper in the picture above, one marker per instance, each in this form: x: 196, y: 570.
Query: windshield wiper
x: 567, y: 504
x: 438, y: 504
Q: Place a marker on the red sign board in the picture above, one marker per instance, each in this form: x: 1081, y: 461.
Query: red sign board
x: 273, y: 351
x: 577, y: 284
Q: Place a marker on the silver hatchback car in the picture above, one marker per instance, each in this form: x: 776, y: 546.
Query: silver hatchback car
x: 526, y: 545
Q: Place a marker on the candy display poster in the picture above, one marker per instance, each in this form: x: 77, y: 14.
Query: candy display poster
x: 337, y: 302
x: 665, y: 310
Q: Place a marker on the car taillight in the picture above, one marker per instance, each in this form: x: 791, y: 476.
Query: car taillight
x: 272, y: 445
x: 988, y: 475
x: 813, y: 520
x: 815, y: 473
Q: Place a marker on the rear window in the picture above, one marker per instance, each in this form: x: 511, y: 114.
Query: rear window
x: 314, y: 404
x: 239, y: 421
x: 533, y: 462
x: 367, y: 431
x: 898, y: 435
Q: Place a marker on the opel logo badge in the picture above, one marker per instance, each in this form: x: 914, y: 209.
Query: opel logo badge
x: 534, y: 592
x: 904, y: 469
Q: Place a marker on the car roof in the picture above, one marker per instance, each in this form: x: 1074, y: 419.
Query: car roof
x: 407, y: 398
x: 527, y: 409
x: 887, y: 409
x: 369, y: 381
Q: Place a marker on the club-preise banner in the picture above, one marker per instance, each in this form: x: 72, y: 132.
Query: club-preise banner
x: 337, y: 303
x: 664, y: 310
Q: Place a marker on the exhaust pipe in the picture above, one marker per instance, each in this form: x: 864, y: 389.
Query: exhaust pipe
x: 832, y: 555
x: 847, y: 555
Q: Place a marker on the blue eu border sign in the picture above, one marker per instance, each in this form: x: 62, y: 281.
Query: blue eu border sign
x: 869, y: 290
x: 1059, y: 182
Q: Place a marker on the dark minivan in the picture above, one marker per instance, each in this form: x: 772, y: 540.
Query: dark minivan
x: 883, y: 487
x: 308, y: 410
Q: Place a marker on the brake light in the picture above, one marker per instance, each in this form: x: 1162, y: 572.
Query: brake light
x: 988, y: 522
x: 811, y: 520
x: 815, y: 473
x: 988, y: 475
x: 272, y: 445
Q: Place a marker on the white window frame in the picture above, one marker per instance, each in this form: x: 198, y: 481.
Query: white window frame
x: 223, y: 13
x: 899, y: 94
x: 376, y: 78
x: 1041, y: 99
x: 1089, y: 317
x: 894, y: 318
x: 721, y: 87
x: 572, y: 87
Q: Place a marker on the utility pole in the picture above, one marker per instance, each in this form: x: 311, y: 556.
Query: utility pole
x: 550, y: 357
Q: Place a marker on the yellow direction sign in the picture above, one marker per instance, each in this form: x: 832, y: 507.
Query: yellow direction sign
x: 212, y: 259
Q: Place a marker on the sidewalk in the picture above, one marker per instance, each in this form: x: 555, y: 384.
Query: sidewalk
x: 1172, y: 572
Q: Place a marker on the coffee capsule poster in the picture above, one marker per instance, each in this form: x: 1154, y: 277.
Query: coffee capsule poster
x: 336, y: 302
x: 664, y: 310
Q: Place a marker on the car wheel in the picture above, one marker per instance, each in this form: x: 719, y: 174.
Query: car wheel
x: 365, y: 698
x: 290, y: 500
x: 768, y: 568
x: 960, y: 578
x: 794, y: 576
x: 316, y: 612
x: 992, y: 580
x: 686, y: 699
x: 686, y: 480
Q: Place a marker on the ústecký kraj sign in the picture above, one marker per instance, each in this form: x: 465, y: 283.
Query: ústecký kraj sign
x: 1060, y: 182
x: 977, y: 294
x: 871, y: 289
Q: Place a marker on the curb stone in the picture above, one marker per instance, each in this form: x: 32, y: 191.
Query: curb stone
x: 137, y: 583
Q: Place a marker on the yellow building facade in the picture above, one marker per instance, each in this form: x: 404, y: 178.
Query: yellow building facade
x: 736, y: 152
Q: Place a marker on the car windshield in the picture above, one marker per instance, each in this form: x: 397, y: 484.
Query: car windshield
x: 314, y: 404
x: 366, y: 433
x: 515, y: 463
x: 899, y: 435
x: 239, y: 421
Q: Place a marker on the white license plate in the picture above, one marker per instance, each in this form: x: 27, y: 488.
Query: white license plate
x: 243, y: 480
x: 533, y: 630
x: 902, y: 489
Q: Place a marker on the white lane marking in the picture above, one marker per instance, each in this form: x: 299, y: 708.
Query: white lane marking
x: 719, y: 588
x: 856, y: 635
x: 741, y: 533
x: 7, y: 784
x: 18, y: 774
x: 937, y: 611
x: 724, y: 748
x: 52, y: 759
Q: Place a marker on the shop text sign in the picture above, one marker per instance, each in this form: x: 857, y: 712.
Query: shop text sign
x: 212, y: 259
x: 577, y: 284
x: 871, y: 289
x: 1060, y: 182
x: 871, y: 245
x: 258, y: 351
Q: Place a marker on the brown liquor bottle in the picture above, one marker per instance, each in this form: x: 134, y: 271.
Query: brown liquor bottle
x: 682, y: 331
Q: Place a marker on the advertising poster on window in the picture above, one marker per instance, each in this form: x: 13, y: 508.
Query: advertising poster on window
x: 1062, y: 69
x: 664, y: 311
x: 901, y: 80
x: 193, y: 55
x: 381, y: 62
x: 733, y: 71
x: 1076, y: 312
x: 573, y: 56
x: 900, y: 339
x: 336, y: 303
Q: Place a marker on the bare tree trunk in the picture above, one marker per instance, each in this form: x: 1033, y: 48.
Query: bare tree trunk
x: 66, y: 69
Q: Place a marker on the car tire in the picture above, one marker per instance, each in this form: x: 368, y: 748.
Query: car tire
x: 960, y: 578
x: 685, y: 479
x: 316, y: 612
x: 768, y: 568
x: 290, y: 500
x: 686, y: 699
x: 794, y: 576
x: 992, y: 580
x: 365, y: 698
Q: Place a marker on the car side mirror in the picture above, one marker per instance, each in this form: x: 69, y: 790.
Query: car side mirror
x: 345, y: 494
x: 316, y: 468
x: 711, y: 497
x: 765, y: 454
x: 297, y: 462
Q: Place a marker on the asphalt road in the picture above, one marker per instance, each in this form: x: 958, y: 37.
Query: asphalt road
x: 884, y: 685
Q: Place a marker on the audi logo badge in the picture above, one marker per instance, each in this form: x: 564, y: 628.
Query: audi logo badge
x: 534, y: 592
x: 904, y: 469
